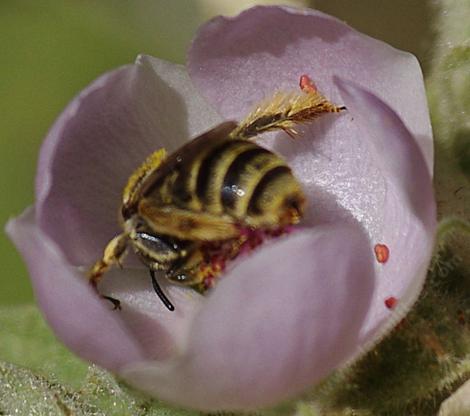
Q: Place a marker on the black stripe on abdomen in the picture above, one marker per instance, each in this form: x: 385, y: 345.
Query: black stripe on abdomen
x: 232, y: 188
x: 254, y: 207
x: 208, y: 164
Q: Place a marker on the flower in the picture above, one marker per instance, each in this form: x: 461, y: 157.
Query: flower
x: 293, y: 311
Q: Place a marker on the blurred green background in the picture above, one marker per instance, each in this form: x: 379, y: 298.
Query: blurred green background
x: 51, y: 49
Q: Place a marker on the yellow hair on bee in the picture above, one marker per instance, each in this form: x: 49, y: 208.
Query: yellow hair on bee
x: 283, y: 111
x: 142, y: 172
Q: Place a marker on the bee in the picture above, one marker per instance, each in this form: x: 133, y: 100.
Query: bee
x: 190, y: 212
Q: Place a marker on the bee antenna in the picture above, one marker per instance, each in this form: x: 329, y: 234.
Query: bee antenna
x: 159, y: 292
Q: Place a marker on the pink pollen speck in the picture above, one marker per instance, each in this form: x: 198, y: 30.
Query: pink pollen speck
x: 307, y: 85
x: 391, y: 302
x: 382, y: 253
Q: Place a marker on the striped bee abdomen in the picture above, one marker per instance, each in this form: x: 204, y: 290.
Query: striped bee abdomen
x: 277, y: 199
x: 243, y: 180
x: 243, y: 176
x: 214, y: 167
x: 233, y: 177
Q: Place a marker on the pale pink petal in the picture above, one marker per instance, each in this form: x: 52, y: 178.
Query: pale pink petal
x: 238, y: 61
x: 161, y: 333
x: 102, y: 136
x: 280, y: 321
x: 77, y: 316
x: 407, y: 221
x: 343, y: 178
x: 143, y: 329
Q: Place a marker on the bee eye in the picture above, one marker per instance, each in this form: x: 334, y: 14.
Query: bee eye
x: 157, y: 243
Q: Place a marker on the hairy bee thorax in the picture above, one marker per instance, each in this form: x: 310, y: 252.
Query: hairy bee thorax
x: 220, y: 195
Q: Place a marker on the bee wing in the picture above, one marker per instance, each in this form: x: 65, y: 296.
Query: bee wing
x: 159, y: 165
x: 185, y: 154
x: 188, y: 225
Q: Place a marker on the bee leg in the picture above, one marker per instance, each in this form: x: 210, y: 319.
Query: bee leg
x: 159, y: 291
x: 113, y: 254
x: 116, y: 302
x: 187, y: 225
x: 285, y: 111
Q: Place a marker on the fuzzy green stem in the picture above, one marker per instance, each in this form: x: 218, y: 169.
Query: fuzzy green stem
x: 451, y: 225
